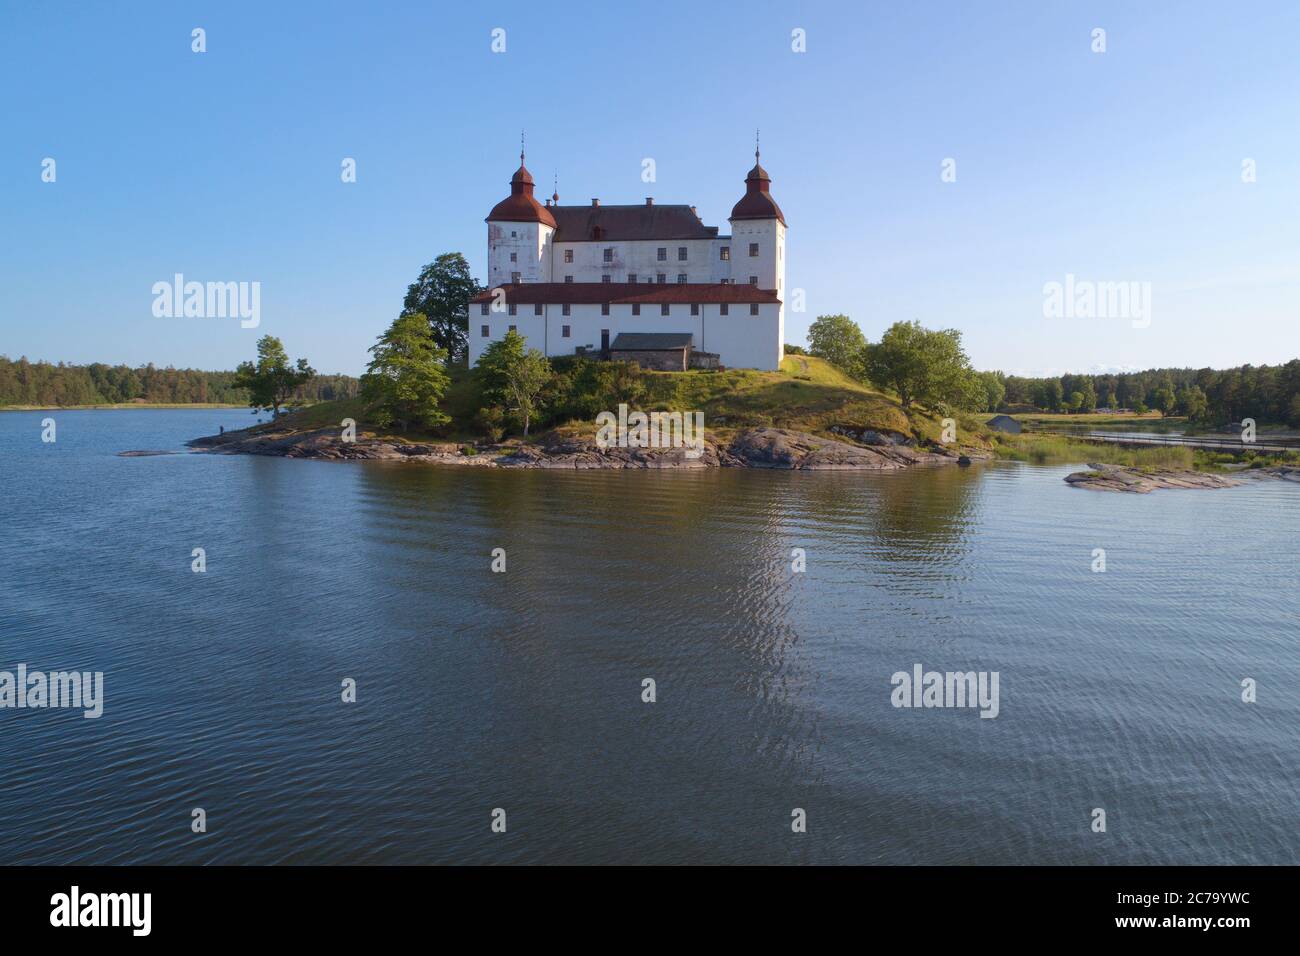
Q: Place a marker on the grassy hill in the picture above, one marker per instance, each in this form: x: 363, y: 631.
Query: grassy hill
x: 808, y: 394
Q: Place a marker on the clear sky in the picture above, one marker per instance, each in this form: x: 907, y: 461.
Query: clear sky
x: 1117, y: 166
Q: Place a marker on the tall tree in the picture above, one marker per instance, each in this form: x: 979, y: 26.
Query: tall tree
x: 838, y: 340
x: 923, y: 365
x: 441, y: 294
x: 272, y: 381
x: 406, y: 379
x: 514, y: 376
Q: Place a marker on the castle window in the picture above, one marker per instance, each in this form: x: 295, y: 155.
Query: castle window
x: 681, y: 278
x: 662, y: 254
x: 514, y: 257
x: 663, y: 309
x: 513, y: 328
x: 695, y: 308
x: 604, y: 308
x: 513, y: 234
x: 661, y: 277
x: 753, y: 280
x: 513, y: 308
x: 753, y: 250
x: 636, y: 308
x: 565, y: 308
x: 605, y: 277
x: 568, y: 278
x: 568, y: 255
x: 724, y: 253
x: 537, y: 309
x: 564, y: 331
x: 485, y: 332
x: 483, y: 309
x: 753, y: 308
x: 514, y: 277
x: 631, y: 278
x: 609, y: 255
x: 722, y: 309
x: 681, y: 253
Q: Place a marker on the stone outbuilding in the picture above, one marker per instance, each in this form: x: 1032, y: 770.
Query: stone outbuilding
x: 659, y: 351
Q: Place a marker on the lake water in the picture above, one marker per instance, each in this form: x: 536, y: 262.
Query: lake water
x: 476, y: 690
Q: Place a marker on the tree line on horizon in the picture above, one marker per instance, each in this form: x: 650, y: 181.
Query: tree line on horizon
x: 930, y: 367
x: 1270, y: 394
x: 23, y: 382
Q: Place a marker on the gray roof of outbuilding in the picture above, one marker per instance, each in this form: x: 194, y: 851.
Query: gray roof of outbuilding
x: 650, y: 341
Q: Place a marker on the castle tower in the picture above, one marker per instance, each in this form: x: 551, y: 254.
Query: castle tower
x: 520, y: 230
x: 758, y: 239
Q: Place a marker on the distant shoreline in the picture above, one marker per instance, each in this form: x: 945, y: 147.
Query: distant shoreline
x: 107, y: 407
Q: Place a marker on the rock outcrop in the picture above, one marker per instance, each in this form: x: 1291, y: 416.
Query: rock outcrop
x: 774, y: 448
x: 1118, y: 478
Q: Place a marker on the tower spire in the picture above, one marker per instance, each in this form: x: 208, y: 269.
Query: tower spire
x: 755, y: 145
x: 555, y: 196
x: 521, y: 147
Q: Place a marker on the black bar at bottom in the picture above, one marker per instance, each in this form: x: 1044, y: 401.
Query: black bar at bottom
x: 335, y: 905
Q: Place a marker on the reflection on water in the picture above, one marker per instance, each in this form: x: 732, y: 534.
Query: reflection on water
x: 522, y: 690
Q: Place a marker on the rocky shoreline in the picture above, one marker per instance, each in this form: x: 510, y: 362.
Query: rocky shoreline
x: 1105, y: 477
x: 772, y: 448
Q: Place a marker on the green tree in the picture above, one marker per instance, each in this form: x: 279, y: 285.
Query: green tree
x: 994, y: 388
x: 838, y: 340
x: 406, y: 379
x: 441, y: 294
x: 1163, y: 399
x: 1192, y: 403
x: 272, y: 380
x: 514, y: 376
x: 922, y: 365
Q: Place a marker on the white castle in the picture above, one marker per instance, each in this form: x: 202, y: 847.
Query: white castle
x: 646, y: 282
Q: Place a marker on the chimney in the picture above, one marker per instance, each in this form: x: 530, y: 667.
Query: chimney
x: 595, y: 202
x: 694, y: 213
x: 649, y: 200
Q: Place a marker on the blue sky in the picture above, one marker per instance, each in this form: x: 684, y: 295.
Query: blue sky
x: 1118, y: 166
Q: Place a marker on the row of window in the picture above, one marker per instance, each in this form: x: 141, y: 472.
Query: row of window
x: 661, y: 254
x: 604, y: 310
x: 660, y: 278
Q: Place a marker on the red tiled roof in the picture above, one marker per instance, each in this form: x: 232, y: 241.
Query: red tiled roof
x: 626, y: 293
x: 520, y: 206
x: 622, y: 223
x: 757, y: 203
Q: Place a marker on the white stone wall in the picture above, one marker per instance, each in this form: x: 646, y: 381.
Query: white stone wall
x: 527, y: 241
x: 636, y: 257
x: 742, y: 340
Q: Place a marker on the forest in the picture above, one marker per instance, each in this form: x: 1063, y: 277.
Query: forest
x: 47, y: 384
x: 1270, y: 394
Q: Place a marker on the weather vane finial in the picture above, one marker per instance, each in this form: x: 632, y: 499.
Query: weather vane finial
x: 756, y: 145
x: 521, y: 147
